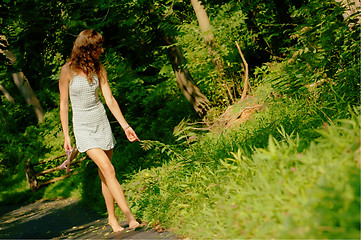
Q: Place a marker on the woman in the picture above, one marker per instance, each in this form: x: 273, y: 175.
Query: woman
x: 80, y: 79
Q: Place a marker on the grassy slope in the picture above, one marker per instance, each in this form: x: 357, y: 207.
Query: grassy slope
x: 291, y: 186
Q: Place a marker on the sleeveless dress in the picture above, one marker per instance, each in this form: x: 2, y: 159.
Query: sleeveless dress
x: 90, y: 123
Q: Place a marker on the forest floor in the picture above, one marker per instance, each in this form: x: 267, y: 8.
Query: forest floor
x: 64, y: 219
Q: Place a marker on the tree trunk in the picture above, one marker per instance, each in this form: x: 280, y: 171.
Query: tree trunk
x: 185, y: 81
x: 7, y: 94
x: 209, y: 39
x: 24, y: 86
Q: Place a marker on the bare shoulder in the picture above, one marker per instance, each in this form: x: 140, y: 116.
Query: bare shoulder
x: 65, y: 71
x: 65, y: 68
x: 103, y: 73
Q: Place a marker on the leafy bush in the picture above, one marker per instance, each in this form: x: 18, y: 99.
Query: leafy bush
x: 324, y: 65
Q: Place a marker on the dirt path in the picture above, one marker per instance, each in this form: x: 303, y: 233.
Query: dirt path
x: 63, y: 219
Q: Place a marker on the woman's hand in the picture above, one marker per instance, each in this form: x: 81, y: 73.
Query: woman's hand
x: 129, y: 132
x: 67, y: 144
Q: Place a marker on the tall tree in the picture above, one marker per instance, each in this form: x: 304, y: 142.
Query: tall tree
x: 23, y: 84
x: 184, y: 79
x: 208, y: 36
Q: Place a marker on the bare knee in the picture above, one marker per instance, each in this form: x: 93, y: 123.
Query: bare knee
x: 102, y: 159
x: 107, y: 170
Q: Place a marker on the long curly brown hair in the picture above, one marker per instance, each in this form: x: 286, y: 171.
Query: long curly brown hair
x: 85, y: 54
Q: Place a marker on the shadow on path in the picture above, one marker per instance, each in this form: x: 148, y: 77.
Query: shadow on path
x: 63, y: 219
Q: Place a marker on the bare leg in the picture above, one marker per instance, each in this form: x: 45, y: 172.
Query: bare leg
x: 109, y: 200
x: 102, y: 160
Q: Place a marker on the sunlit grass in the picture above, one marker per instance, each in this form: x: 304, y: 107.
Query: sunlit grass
x: 68, y: 188
x: 14, y: 189
x: 276, y: 192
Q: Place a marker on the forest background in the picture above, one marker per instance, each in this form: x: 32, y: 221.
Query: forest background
x: 260, y: 141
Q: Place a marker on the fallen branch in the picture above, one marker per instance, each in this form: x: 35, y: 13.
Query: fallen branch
x: 57, y: 168
x: 32, y: 175
x: 48, y: 160
x: 53, y: 180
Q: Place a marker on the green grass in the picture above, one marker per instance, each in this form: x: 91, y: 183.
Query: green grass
x: 276, y: 191
x: 15, y: 189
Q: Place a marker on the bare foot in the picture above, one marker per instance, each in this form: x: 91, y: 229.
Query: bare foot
x: 115, y: 225
x: 133, y: 224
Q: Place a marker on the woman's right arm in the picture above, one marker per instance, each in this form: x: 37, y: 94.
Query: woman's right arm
x: 64, y: 101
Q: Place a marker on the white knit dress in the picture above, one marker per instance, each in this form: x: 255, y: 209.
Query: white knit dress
x: 90, y: 123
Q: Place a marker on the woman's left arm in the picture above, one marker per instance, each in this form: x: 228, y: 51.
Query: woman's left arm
x: 113, y: 105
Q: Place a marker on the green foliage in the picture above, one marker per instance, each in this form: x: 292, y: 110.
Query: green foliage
x: 200, y: 61
x: 37, y: 144
x: 325, y: 61
x: 277, y: 192
x: 255, y: 132
x: 162, y: 148
x: 14, y: 189
x: 10, y: 138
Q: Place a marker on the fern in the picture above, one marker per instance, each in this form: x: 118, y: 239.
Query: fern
x: 157, y: 146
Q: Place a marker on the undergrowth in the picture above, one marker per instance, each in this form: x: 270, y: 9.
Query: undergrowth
x: 274, y: 192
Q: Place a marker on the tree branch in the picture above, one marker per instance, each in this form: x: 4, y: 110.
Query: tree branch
x: 246, y: 78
